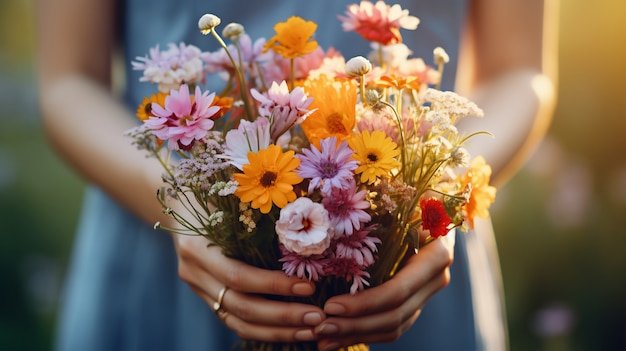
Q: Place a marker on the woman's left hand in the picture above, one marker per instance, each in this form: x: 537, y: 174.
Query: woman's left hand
x: 383, y: 313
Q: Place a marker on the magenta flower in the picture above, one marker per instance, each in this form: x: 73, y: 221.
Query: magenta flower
x: 346, y: 208
x: 304, y: 267
x: 184, y: 119
x: 332, y: 167
x: 283, y: 108
x: 349, y: 269
x: 359, y: 247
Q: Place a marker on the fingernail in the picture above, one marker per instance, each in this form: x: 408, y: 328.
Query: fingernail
x: 327, y: 329
x: 304, y: 335
x: 334, y: 308
x: 312, y: 318
x: 302, y: 289
x: 330, y: 347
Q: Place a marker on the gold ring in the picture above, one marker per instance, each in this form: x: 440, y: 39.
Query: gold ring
x: 217, y: 306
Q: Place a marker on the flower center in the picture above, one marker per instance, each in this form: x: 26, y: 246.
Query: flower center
x: 372, y: 157
x: 148, y: 109
x: 334, y: 125
x: 305, y: 224
x: 329, y: 169
x: 268, y: 179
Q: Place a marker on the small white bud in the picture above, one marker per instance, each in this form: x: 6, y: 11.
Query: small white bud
x: 233, y: 31
x: 208, y: 22
x: 358, y: 66
x: 441, y: 57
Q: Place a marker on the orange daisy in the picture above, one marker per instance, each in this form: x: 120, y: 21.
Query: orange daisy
x: 293, y: 38
x: 268, y: 179
x: 144, y: 111
x: 334, y: 106
x: 482, y: 195
x: 393, y: 81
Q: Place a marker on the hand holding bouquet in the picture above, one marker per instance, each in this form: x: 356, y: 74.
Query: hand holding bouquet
x: 333, y: 171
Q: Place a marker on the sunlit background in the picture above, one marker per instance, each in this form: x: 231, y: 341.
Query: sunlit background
x: 560, y: 221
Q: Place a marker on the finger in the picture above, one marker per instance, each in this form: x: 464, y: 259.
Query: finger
x: 238, y: 275
x: 258, y: 310
x: 379, y: 328
x: 386, y: 337
x: 250, y: 331
x: 419, y: 270
x: 251, y: 308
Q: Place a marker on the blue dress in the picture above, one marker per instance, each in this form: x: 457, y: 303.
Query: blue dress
x: 123, y: 292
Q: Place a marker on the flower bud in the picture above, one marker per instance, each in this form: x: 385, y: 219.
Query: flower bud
x: 358, y: 66
x: 233, y: 31
x: 372, y: 97
x: 208, y: 22
x: 460, y: 157
x: 441, y: 57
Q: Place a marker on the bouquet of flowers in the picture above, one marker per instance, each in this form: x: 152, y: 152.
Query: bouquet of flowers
x: 331, y: 170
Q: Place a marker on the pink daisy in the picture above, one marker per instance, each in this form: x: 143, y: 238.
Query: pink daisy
x: 378, y: 22
x: 283, y: 108
x: 332, y: 167
x: 359, y: 247
x: 304, y: 267
x: 184, y: 119
x: 346, y: 208
x: 350, y: 270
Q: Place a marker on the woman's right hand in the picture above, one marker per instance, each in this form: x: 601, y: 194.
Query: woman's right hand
x: 243, y: 310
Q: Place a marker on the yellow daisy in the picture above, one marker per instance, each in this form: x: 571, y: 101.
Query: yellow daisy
x: 268, y: 178
x: 293, y: 38
x: 482, y: 195
x: 334, y: 103
x: 376, y: 154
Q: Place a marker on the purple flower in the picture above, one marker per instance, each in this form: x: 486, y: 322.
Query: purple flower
x: 348, y: 268
x: 332, y: 167
x: 183, y: 120
x: 346, y: 209
x: 304, y: 267
x: 358, y: 247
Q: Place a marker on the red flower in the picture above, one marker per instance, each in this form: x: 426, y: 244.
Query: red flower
x: 434, y: 217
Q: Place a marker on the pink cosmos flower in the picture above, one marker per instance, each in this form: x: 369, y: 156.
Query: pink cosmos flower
x: 378, y: 22
x: 248, y: 137
x: 346, y: 208
x: 303, y: 227
x: 172, y: 67
x: 283, y: 108
x: 304, y: 267
x: 332, y: 167
x: 184, y: 119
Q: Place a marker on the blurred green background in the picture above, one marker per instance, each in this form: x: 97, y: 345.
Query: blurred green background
x: 559, y: 221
